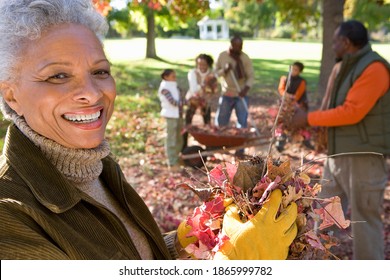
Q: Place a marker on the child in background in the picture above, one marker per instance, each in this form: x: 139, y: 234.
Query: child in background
x: 295, y: 93
x: 172, y: 110
x: 297, y: 86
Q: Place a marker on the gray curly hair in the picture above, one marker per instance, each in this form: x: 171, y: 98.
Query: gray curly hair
x: 22, y: 21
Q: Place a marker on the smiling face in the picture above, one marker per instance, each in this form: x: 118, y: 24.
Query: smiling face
x: 64, y: 88
x: 295, y: 71
x: 202, y: 65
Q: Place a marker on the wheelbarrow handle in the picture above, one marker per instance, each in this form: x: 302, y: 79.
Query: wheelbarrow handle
x: 252, y: 143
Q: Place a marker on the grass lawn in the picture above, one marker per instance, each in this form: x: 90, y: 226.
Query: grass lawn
x: 137, y: 106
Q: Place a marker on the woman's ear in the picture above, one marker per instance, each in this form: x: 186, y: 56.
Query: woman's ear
x: 8, y: 93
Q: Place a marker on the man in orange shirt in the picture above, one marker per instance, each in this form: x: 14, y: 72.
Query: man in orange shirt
x: 358, y: 121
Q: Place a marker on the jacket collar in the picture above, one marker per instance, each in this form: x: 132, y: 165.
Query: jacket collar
x: 52, y: 190
x: 357, y: 55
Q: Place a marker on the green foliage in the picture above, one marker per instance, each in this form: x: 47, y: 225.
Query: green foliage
x: 185, y: 9
x: 119, y: 20
x: 249, y: 17
x: 252, y: 16
x: 374, y: 14
x: 169, y: 15
x: 301, y: 16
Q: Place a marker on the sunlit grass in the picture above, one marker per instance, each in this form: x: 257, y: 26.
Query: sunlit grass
x: 185, y: 50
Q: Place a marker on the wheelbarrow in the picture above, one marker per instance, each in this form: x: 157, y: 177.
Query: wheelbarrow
x: 218, y: 140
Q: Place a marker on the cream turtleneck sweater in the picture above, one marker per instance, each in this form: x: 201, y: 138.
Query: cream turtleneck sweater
x: 83, y: 168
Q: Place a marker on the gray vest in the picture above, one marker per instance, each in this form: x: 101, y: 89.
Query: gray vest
x: 372, y: 133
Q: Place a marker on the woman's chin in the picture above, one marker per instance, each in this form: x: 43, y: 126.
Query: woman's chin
x: 91, y: 144
x: 86, y: 139
x: 84, y: 142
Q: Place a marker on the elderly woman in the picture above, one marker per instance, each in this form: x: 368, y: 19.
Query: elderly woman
x: 62, y: 196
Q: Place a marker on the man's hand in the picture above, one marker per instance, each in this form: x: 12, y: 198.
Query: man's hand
x: 244, y: 91
x: 299, y: 119
x: 227, y: 68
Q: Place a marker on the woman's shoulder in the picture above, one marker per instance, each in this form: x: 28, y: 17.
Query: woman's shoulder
x: 192, y: 72
x: 13, y: 189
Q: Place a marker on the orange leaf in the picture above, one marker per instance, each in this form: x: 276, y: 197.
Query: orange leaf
x: 290, y: 195
x: 283, y: 170
x: 332, y: 214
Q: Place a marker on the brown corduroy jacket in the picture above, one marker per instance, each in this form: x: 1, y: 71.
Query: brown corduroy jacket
x: 43, y: 216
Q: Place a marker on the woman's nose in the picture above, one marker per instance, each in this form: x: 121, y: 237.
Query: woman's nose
x: 89, y: 90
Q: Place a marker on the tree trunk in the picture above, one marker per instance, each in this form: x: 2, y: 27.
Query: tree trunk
x: 332, y: 16
x: 150, y: 35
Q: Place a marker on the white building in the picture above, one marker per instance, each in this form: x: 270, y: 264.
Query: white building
x: 213, y: 29
x: 215, y: 4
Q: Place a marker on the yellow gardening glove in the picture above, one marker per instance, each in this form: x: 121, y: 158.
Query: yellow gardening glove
x: 182, y: 232
x: 264, y: 237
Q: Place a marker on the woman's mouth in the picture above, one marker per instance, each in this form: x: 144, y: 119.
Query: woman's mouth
x: 83, y: 118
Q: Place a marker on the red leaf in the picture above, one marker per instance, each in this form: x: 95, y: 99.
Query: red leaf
x: 217, y: 174
x: 314, y: 240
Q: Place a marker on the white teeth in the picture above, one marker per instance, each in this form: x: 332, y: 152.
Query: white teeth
x: 83, y: 118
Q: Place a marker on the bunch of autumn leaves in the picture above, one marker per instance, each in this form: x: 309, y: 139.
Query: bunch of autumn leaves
x: 316, y: 135
x: 244, y: 184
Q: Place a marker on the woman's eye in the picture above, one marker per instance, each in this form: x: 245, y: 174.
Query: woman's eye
x: 102, y: 73
x: 57, y: 77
